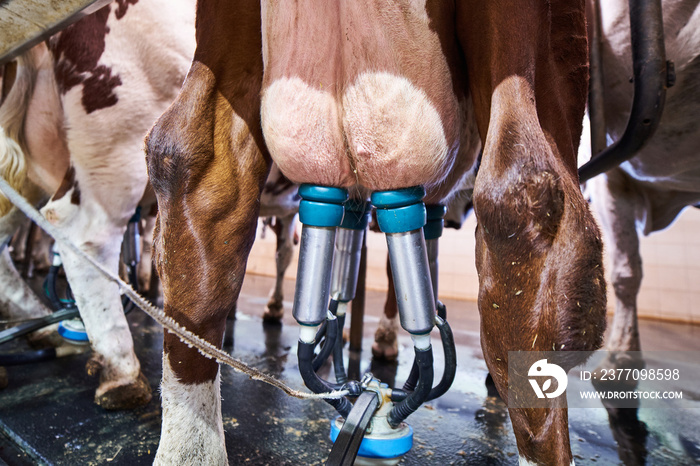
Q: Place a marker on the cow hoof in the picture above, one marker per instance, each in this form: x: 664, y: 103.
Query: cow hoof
x: 274, y: 313
x: 93, y: 366
x: 385, y: 346
x: 125, y: 396
x: 3, y: 378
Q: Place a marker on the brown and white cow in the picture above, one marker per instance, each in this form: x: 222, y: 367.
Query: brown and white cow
x: 648, y: 192
x: 72, y: 127
x: 376, y: 96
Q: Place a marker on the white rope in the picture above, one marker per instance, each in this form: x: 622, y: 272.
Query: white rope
x: 190, y: 339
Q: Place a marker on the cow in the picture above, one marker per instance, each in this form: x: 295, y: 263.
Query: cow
x: 71, y: 135
x: 375, y: 96
x: 646, y: 193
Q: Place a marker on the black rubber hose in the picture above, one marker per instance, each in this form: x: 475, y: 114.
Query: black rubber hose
x: 412, y: 379
x: 50, y: 288
x: 328, y: 345
x: 448, y: 346
x: 338, y: 364
x: 305, y: 353
x: 25, y: 357
x: 424, y: 359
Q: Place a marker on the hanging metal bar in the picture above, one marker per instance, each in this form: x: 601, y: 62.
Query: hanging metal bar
x: 651, y: 79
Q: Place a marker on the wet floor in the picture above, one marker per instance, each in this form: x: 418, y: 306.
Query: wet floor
x: 47, y: 415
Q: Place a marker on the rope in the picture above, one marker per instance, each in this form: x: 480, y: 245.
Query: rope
x: 190, y: 339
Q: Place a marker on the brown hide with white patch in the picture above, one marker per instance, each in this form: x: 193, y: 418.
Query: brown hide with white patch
x: 368, y: 101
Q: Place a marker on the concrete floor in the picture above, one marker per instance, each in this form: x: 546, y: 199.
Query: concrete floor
x: 47, y: 415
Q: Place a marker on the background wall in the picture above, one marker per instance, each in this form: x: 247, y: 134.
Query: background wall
x: 670, y: 288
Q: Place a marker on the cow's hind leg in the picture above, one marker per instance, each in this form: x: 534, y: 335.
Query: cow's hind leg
x: 207, y: 169
x: 284, y: 231
x: 541, y: 284
x: 97, y: 227
x: 615, y: 200
x: 385, y: 344
x: 17, y: 299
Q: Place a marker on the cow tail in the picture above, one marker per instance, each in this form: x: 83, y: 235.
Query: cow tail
x: 13, y: 112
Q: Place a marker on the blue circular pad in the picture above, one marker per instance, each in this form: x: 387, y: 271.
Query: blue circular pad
x: 380, y: 447
x: 73, y: 330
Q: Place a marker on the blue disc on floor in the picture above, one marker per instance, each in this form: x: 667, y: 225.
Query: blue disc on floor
x: 392, y: 444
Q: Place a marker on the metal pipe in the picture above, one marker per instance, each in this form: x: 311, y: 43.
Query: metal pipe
x: 596, y: 112
x: 414, y: 288
x: 651, y: 78
x: 38, y: 323
x: 313, y: 275
x: 346, y: 263
x: 431, y: 246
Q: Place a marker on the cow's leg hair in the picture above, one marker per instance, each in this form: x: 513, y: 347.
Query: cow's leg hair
x: 145, y: 264
x: 17, y: 299
x: 615, y: 202
x: 385, y: 344
x: 284, y: 231
x: 539, y: 253
x: 207, y: 167
x: 99, y: 234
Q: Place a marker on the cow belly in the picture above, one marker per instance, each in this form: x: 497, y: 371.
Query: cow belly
x: 382, y: 133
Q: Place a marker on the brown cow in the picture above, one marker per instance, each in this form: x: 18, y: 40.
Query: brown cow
x: 376, y: 96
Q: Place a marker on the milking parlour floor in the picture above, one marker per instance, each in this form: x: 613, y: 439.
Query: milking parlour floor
x: 47, y: 415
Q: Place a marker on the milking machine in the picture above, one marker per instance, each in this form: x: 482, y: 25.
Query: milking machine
x: 372, y: 429
x: 70, y: 325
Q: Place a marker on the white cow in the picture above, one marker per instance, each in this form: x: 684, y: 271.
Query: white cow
x: 648, y: 192
x: 72, y: 127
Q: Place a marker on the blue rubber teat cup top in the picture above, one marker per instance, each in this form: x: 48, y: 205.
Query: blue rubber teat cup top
x: 357, y: 214
x: 435, y: 223
x: 400, y: 210
x: 321, y: 206
x: 321, y: 212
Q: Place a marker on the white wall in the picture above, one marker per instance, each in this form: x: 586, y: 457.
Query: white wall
x: 670, y: 289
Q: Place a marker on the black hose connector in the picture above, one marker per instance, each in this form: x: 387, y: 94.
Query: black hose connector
x: 50, y: 288
x: 450, y: 352
x: 412, y: 379
x: 424, y: 360
x: 305, y: 353
x: 328, y: 345
x: 340, y: 375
